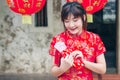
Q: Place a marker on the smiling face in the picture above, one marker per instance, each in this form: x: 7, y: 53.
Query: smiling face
x: 73, y: 24
x: 74, y: 17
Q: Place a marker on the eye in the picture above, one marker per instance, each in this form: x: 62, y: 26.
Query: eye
x: 75, y: 19
x: 66, y: 21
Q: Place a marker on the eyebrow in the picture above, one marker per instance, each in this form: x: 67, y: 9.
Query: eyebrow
x: 73, y: 17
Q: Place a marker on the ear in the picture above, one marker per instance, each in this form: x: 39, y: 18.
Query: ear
x: 85, y: 17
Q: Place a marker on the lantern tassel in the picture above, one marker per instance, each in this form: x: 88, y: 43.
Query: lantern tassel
x: 26, y: 19
x: 89, y: 18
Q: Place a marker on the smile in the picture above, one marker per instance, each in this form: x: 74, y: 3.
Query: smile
x: 73, y: 28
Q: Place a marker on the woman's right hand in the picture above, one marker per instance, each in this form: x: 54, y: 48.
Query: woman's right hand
x: 66, y: 63
x: 77, y: 54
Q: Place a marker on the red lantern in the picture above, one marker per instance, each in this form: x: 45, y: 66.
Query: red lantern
x: 26, y: 7
x: 91, y: 6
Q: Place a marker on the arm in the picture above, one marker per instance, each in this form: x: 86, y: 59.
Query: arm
x: 99, y: 66
x: 56, y: 71
x: 65, y: 64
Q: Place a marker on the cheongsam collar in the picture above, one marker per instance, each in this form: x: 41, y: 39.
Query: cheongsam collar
x: 81, y: 35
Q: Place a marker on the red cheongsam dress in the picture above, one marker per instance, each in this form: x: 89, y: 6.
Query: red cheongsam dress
x: 91, y: 46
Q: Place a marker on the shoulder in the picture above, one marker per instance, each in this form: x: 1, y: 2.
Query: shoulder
x: 92, y: 35
x: 58, y: 37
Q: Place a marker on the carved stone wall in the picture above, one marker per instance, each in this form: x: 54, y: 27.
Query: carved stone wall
x: 22, y: 51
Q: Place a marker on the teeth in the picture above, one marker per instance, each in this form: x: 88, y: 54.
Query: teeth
x: 73, y: 28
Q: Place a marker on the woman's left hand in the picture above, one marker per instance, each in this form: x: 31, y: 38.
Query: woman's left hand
x: 77, y: 54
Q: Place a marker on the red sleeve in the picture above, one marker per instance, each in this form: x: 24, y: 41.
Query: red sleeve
x: 100, y: 48
x: 57, y: 58
x: 53, y: 52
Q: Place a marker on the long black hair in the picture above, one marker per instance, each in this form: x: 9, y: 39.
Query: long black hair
x: 76, y: 9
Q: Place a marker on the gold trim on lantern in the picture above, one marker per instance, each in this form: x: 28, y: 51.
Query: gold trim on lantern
x: 89, y: 8
x: 21, y: 10
x: 96, y: 3
x: 38, y: 4
x: 80, y: 1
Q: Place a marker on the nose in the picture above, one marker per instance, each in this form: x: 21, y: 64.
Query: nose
x: 71, y: 24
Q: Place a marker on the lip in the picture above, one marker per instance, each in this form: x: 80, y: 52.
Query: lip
x: 72, y: 29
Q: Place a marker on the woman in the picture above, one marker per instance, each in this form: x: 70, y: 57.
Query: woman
x: 76, y: 52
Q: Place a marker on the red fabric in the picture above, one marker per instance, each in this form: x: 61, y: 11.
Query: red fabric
x: 26, y: 6
x: 88, y: 43
x: 57, y: 58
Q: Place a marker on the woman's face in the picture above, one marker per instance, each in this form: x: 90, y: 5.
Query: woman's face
x: 73, y: 25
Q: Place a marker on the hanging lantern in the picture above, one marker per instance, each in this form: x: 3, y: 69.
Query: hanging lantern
x: 91, y: 6
x: 26, y: 7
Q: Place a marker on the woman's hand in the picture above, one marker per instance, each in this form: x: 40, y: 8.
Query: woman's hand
x: 77, y: 54
x: 78, y: 59
x: 66, y: 62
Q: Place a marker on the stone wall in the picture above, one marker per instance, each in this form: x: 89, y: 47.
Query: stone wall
x: 22, y: 51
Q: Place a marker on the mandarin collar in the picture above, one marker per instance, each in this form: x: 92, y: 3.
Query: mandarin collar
x: 81, y: 35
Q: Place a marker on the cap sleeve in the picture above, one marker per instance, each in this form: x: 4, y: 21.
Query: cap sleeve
x: 53, y: 52
x: 100, y: 48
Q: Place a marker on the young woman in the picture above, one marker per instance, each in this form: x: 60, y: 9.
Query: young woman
x: 76, y: 52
